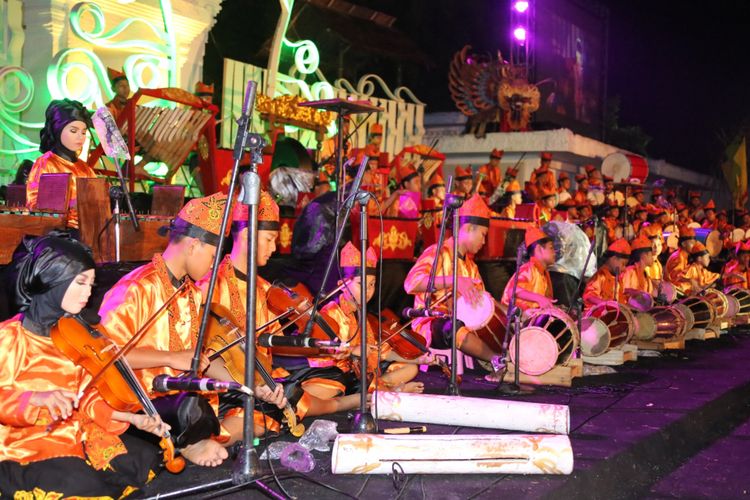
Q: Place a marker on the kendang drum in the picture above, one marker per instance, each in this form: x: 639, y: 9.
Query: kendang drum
x: 594, y: 336
x: 620, y: 324
x: 669, y: 322
x: 720, y: 303
x: 645, y: 326
x: 687, y: 313
x: 625, y: 167
x: 711, y: 239
x: 559, y: 327
x: 641, y: 301
x: 487, y: 318
x: 703, y: 312
x: 742, y: 296
x: 669, y: 291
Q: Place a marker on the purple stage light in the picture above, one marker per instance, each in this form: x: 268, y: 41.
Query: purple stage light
x: 519, y: 34
x: 521, y: 6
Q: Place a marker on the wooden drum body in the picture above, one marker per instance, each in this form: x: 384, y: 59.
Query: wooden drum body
x: 669, y: 322
x: 742, y: 296
x: 487, y: 319
x: 720, y: 304
x: 620, y: 325
x: 703, y: 312
x: 539, y: 331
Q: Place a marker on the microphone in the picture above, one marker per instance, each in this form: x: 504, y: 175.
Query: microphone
x: 165, y: 383
x: 249, y: 97
x: 109, y: 135
x: 420, y: 312
x: 268, y: 340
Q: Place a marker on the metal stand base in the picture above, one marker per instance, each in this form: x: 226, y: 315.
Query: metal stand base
x: 515, y: 389
x: 363, y: 423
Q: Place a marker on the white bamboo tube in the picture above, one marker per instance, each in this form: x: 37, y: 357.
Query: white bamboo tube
x: 452, y: 454
x: 472, y: 412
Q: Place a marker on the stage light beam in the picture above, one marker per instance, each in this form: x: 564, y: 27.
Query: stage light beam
x: 520, y: 34
x: 521, y: 6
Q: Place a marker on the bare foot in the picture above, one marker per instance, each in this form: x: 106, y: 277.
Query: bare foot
x: 415, y: 387
x: 206, y: 453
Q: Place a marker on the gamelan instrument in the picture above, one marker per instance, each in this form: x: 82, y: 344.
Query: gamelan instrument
x: 549, y: 337
x: 606, y: 326
x: 710, y: 238
x: 663, y: 322
x: 742, y: 296
x: 703, y: 311
x: 625, y: 167
x: 89, y: 347
x: 725, y: 306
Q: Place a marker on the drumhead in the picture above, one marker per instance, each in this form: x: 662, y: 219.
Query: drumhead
x: 538, y: 351
x: 475, y: 316
x: 714, y: 244
x: 641, y: 302
x: 594, y: 337
x: 645, y: 326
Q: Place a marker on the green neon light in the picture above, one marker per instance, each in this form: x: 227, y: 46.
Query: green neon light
x: 306, y: 55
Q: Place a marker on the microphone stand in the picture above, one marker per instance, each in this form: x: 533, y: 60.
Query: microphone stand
x: 514, y: 324
x: 455, y: 203
x: 577, y: 301
x: 246, y: 469
x: 363, y: 422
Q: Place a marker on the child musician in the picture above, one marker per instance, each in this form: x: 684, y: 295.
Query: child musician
x: 167, y: 348
x: 66, y: 124
x: 603, y: 286
x: 737, y: 271
x: 634, y: 280
x: 534, y: 288
x: 697, y: 275
x: 474, y: 218
x: 53, y: 444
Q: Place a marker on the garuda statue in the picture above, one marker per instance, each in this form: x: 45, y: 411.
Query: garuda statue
x: 491, y: 91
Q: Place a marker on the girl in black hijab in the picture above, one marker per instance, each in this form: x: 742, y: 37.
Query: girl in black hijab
x: 52, y: 439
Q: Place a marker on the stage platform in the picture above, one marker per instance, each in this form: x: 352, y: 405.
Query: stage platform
x: 673, y: 426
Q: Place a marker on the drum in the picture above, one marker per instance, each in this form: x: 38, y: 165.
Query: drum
x: 669, y: 291
x: 742, y: 296
x: 595, y: 336
x: 687, y: 313
x: 486, y: 318
x: 668, y: 321
x: 719, y: 302
x: 560, y: 327
x: 711, y: 239
x: 645, y: 326
x: 538, y: 351
x: 738, y: 235
x: 641, y: 301
x: 625, y: 167
x: 620, y: 324
x: 733, y: 306
x: 703, y: 311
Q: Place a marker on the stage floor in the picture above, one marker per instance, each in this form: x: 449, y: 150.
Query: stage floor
x: 675, y: 426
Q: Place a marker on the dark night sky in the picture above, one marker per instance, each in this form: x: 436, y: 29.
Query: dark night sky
x: 680, y: 68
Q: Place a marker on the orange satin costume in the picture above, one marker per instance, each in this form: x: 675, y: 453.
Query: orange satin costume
x: 132, y: 301
x: 491, y: 179
x: 635, y: 277
x: 31, y: 363
x: 420, y: 273
x: 532, y: 276
x: 701, y: 275
x: 676, y: 266
x: 509, y: 211
x: 50, y: 163
x: 115, y: 107
x: 655, y: 271
x: 733, y: 267
x: 602, y: 286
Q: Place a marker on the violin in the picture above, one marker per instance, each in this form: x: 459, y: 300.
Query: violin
x: 406, y: 343
x: 221, y: 331
x: 88, y: 346
x: 281, y: 299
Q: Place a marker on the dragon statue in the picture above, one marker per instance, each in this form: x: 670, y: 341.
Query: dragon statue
x: 491, y: 91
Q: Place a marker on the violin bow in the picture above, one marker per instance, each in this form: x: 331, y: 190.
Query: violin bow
x: 139, y: 334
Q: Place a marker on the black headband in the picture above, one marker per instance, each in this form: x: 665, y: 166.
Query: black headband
x: 181, y: 227
x: 472, y: 219
x: 409, y: 177
x: 263, y: 225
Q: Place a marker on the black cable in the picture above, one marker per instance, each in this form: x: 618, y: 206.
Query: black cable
x: 493, y: 483
x: 268, y: 452
x: 362, y: 488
